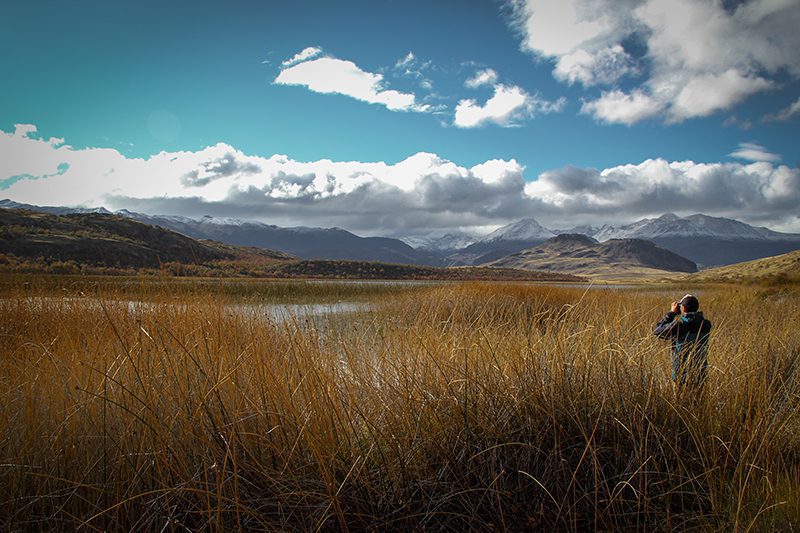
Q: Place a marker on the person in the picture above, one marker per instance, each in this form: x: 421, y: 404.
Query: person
x: 688, y: 331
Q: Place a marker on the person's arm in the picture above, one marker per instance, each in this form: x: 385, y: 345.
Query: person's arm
x: 667, y: 327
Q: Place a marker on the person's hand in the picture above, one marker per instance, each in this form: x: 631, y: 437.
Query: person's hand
x: 676, y: 308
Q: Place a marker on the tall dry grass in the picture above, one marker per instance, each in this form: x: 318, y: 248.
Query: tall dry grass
x: 482, y: 406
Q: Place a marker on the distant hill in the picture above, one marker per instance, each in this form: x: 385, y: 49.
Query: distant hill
x: 332, y: 269
x: 784, y: 268
x: 579, y: 254
x: 108, y: 240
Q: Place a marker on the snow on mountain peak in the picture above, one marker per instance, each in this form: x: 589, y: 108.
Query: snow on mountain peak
x: 448, y: 241
x: 671, y: 225
x: 527, y: 229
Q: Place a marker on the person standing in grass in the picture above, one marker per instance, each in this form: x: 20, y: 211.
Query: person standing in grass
x: 688, y: 332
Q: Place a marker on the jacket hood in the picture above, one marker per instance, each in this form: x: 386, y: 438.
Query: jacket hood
x: 693, y: 318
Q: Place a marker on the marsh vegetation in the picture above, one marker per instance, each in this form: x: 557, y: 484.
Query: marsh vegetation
x: 441, y: 406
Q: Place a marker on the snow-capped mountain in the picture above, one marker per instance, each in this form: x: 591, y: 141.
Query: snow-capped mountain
x: 53, y: 210
x: 527, y: 229
x: 503, y: 241
x: 440, y: 242
x: 709, y: 241
x: 584, y: 229
x: 671, y: 225
x: 706, y: 240
x: 206, y: 219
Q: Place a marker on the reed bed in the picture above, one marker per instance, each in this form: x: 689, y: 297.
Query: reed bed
x: 479, y: 406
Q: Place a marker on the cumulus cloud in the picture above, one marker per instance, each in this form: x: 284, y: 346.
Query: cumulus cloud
x: 507, y: 107
x: 605, y: 65
x: 421, y: 191
x: 758, y: 192
x: 623, y: 108
x: 754, y: 152
x: 417, y: 195
x: 689, y: 58
x: 220, y: 167
x: 329, y: 75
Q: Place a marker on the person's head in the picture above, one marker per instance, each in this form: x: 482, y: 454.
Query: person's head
x: 689, y: 304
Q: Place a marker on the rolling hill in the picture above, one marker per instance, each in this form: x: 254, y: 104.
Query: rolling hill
x: 784, y: 268
x: 579, y: 254
x: 109, y: 240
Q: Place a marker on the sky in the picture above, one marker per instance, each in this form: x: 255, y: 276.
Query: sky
x: 399, y: 118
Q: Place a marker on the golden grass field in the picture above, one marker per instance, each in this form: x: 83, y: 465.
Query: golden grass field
x: 446, y: 407
x: 780, y: 269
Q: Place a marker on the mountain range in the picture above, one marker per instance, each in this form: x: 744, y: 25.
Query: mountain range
x: 303, y: 242
x: 106, y: 243
x: 707, y: 241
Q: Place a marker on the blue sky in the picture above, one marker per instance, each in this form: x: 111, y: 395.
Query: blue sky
x: 405, y: 117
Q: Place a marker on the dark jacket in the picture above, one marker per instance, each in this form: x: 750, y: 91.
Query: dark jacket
x: 689, y: 337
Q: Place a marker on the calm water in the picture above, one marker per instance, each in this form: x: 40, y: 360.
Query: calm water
x: 273, y: 311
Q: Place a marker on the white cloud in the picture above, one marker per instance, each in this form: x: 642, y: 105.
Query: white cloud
x: 754, y: 152
x: 422, y: 193
x: 606, y: 65
x: 306, y: 53
x: 621, y: 108
x: 507, y: 107
x: 785, y: 113
x: 559, y: 28
x: 329, y: 75
x: 699, y: 57
x: 758, y: 192
x: 422, y: 189
x: 486, y: 76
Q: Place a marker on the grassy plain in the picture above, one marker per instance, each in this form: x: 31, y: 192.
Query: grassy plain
x: 480, y: 405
